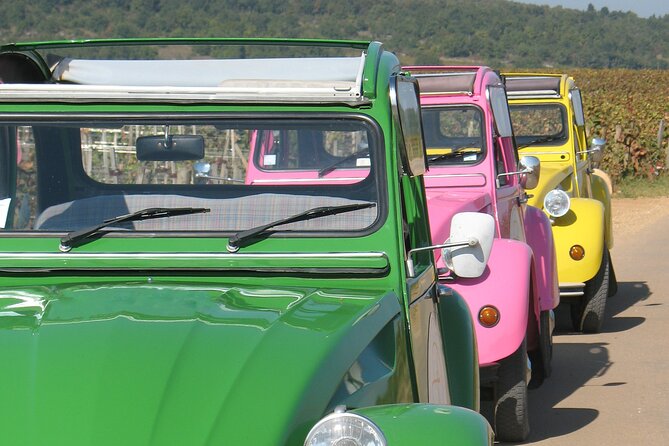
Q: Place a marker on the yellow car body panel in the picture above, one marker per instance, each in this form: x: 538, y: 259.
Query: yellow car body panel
x: 551, y: 176
x: 601, y: 190
x: 582, y: 225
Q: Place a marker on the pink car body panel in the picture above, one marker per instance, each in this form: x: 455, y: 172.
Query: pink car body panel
x: 506, y: 257
x: 521, y: 272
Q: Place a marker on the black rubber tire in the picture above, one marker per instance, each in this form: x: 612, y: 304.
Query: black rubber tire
x: 546, y: 342
x: 541, y: 357
x: 511, y: 410
x: 588, y: 316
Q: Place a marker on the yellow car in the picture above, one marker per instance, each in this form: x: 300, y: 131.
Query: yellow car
x: 548, y: 121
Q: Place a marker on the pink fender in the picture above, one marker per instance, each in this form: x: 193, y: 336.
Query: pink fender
x: 539, y: 235
x: 505, y: 284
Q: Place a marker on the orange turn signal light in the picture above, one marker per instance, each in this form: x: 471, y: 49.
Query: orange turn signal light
x: 576, y: 252
x: 488, y: 316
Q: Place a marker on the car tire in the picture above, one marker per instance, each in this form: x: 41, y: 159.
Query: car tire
x: 511, y: 410
x: 541, y: 358
x: 588, y: 315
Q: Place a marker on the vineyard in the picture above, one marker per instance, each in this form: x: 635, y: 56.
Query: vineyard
x: 628, y: 108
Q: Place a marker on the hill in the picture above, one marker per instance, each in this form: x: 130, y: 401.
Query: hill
x: 493, y: 32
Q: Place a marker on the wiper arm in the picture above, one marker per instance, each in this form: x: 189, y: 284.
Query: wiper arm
x: 79, y: 237
x: 539, y: 141
x: 235, y: 242
x: 327, y: 169
x: 455, y: 151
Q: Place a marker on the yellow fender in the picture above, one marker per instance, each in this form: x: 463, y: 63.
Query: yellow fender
x: 583, y: 225
x: 601, y: 190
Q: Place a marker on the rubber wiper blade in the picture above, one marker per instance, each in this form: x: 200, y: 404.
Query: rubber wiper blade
x: 81, y: 236
x: 236, y: 241
x: 455, y: 151
x: 539, y: 141
x: 327, y: 169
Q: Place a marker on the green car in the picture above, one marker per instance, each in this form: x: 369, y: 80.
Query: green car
x: 154, y: 292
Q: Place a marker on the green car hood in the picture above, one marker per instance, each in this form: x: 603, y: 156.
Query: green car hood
x: 176, y: 364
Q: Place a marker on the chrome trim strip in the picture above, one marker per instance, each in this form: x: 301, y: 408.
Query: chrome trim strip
x: 571, y: 289
x: 571, y: 284
x: 65, y: 93
x: 571, y: 293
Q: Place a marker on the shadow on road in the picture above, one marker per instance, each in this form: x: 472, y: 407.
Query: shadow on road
x: 629, y: 294
x: 575, y: 364
x: 547, y: 420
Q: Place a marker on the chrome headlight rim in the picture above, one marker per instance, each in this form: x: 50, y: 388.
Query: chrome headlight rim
x: 345, y: 417
x: 551, y: 197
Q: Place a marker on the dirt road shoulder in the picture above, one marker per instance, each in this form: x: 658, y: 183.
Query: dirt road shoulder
x: 632, y: 215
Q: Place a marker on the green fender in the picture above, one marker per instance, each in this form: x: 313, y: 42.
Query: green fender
x: 423, y: 424
x: 601, y: 191
x: 460, y: 349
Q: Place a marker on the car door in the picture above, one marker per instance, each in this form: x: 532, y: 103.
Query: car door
x: 421, y: 282
x: 580, y: 143
x: 508, y: 191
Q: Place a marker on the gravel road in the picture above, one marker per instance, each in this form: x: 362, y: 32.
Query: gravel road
x: 612, y: 388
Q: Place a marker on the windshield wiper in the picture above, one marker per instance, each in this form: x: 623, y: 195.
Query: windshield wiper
x: 81, y: 236
x: 539, y: 141
x: 327, y: 169
x: 235, y: 242
x: 455, y: 151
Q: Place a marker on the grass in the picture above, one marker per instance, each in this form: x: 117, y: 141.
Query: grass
x: 656, y: 186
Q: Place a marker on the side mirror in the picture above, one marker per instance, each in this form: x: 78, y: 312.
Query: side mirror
x: 201, y: 169
x: 597, y: 150
x: 405, y: 103
x: 530, y: 166
x: 469, y: 260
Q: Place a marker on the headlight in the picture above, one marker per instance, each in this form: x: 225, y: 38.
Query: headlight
x: 345, y: 429
x: 556, y: 203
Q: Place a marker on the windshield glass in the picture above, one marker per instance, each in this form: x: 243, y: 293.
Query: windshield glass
x: 539, y: 124
x: 453, y: 135
x: 71, y: 174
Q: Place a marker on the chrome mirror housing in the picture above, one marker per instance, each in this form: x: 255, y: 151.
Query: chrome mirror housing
x: 597, y: 150
x: 530, y: 166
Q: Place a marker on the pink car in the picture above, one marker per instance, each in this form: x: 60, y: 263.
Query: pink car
x: 474, y: 166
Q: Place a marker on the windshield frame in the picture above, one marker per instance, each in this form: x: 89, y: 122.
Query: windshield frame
x: 484, y: 134
x: 378, y: 174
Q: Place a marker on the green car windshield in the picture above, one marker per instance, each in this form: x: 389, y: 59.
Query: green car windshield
x: 539, y: 124
x: 77, y: 172
x: 453, y: 135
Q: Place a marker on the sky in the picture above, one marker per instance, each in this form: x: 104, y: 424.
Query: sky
x: 642, y: 8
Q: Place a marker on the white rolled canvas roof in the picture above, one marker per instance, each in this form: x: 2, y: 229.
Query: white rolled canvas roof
x: 207, y: 73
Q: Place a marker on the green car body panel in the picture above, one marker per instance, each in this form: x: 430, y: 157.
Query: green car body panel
x: 164, y: 337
